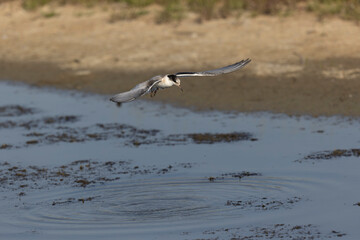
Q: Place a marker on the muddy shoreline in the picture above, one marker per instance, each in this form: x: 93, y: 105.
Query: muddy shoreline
x: 300, y: 65
x: 308, y: 93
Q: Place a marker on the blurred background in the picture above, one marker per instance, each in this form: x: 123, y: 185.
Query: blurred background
x: 305, y: 54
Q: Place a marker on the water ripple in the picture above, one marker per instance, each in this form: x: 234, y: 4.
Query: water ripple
x: 156, y: 201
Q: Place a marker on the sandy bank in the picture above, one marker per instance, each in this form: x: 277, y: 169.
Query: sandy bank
x: 300, y: 65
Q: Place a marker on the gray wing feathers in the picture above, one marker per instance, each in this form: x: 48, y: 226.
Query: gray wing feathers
x: 128, y: 96
x: 215, y: 72
x: 138, y: 91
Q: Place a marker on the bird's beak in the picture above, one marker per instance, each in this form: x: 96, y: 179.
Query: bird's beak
x: 180, y: 88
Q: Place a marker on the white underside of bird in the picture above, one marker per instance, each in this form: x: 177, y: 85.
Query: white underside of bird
x: 160, y: 82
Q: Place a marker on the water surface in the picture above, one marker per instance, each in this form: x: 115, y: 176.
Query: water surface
x: 76, y: 165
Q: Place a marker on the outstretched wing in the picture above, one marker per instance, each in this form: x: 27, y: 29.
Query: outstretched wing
x: 215, y: 72
x: 138, y: 91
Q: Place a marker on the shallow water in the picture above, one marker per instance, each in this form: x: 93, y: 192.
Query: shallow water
x: 76, y: 165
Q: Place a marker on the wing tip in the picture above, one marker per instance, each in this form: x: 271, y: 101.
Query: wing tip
x: 246, y: 61
x: 118, y: 99
x: 242, y: 63
x: 113, y: 100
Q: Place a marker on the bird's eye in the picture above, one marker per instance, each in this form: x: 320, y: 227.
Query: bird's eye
x: 172, y: 77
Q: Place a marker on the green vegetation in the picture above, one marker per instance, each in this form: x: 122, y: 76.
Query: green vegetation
x: 136, y: 3
x: 127, y: 15
x: 49, y: 14
x: 34, y: 4
x: 232, y: 6
x: 346, y: 9
x: 205, y: 8
x: 175, y: 10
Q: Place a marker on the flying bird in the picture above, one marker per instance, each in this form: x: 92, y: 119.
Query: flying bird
x: 160, y: 82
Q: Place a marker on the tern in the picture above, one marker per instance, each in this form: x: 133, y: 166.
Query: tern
x: 165, y: 81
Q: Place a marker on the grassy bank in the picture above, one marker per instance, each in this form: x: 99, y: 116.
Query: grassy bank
x: 176, y: 10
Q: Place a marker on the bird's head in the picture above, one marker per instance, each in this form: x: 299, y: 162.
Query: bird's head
x: 175, y: 79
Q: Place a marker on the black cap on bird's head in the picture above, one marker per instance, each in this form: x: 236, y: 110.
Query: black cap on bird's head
x: 175, y: 79
x: 172, y: 77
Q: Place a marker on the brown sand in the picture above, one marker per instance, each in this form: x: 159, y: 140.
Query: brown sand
x: 299, y: 64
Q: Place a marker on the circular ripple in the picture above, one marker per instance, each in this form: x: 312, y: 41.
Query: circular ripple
x: 147, y: 203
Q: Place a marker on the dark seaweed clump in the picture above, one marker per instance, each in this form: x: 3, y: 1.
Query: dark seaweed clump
x: 240, y: 174
x: 5, y: 146
x: 237, y: 175
x: 275, y: 231
x: 210, y: 138
x: 58, y: 129
x: 324, y: 155
x: 15, y: 110
x: 263, y: 203
x: 61, y: 119
x: 40, y: 123
x: 73, y: 200
x: 80, y: 173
